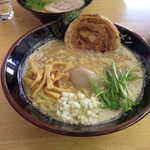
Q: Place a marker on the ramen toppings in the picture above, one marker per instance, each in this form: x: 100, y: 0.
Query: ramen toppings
x: 48, y: 76
x: 79, y: 105
x: 64, y: 5
x: 92, y: 32
x: 58, y: 77
x: 53, y: 6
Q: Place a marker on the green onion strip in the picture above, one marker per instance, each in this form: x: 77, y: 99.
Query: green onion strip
x: 116, y: 92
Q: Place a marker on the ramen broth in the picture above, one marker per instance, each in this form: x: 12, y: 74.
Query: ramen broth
x: 81, y: 106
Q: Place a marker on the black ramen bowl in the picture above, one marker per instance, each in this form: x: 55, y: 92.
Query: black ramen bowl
x: 46, y: 17
x: 10, y: 79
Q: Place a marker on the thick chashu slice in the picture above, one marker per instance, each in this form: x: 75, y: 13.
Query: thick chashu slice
x: 93, y: 32
x: 64, y: 5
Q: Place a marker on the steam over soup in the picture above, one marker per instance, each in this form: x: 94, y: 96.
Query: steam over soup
x: 75, y: 104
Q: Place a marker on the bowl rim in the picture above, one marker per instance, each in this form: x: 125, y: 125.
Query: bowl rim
x: 57, y: 130
x: 58, y: 13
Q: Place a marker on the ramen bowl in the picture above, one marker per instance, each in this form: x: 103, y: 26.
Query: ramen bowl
x: 12, y: 87
x: 46, y: 17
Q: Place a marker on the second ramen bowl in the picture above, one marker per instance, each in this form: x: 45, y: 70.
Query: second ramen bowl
x: 46, y: 17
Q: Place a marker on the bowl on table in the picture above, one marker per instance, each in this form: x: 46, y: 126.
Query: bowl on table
x: 46, y: 17
x: 10, y: 79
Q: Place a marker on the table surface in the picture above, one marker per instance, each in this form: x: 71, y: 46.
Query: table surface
x: 18, y: 134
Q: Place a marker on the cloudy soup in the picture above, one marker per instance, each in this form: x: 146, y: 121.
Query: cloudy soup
x: 53, y: 81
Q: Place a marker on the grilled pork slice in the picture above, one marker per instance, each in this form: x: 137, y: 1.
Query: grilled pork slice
x: 64, y: 5
x: 92, y: 32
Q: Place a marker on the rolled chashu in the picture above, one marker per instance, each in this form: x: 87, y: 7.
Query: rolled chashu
x: 92, y: 32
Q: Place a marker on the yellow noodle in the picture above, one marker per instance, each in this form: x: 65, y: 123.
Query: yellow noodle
x: 53, y: 94
x: 49, y: 81
x: 68, y: 67
x: 34, y: 67
x: 28, y: 81
x: 61, y: 90
x: 38, y: 78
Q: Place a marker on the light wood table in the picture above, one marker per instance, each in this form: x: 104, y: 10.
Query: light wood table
x: 18, y: 134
